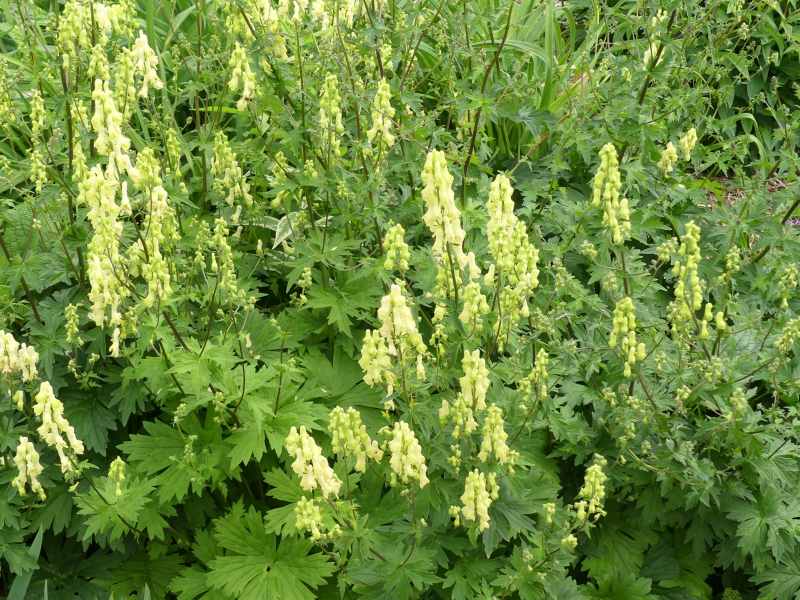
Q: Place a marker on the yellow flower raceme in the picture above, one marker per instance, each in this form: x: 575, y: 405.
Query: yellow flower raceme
x: 396, y: 249
x: 7, y: 112
x: 593, y: 492
x: 330, y: 115
x: 789, y: 336
x: 688, y: 286
x: 668, y: 160
x: 107, y: 124
x: 17, y: 358
x: 116, y: 474
x: 480, y: 491
x: 242, y: 77
x: 606, y: 189
x: 376, y: 362
x: 515, y: 258
x: 71, y: 324
x: 475, y: 307
x: 98, y: 193
x: 382, y: 114
x: 55, y: 426
x: 28, y: 468
x: 349, y: 437
x: 687, y: 143
x: 145, y: 63
x: 623, y: 333
x: 310, y: 464
x: 442, y: 216
x: 398, y: 326
x: 406, y: 459
x: 471, y: 400
x: 228, y: 176
x: 308, y: 517
x: 495, y: 439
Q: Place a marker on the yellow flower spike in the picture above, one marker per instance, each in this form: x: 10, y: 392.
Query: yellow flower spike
x: 606, y: 188
x: 310, y: 464
x: 26, y: 460
x: 406, y: 459
x: 55, y: 426
x: 349, y: 437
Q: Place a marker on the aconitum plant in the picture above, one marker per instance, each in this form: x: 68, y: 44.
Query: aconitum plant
x: 399, y: 299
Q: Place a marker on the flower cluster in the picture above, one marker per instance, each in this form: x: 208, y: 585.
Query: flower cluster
x: 17, y: 358
x: 330, y: 115
x: 55, y: 426
x: 242, y: 77
x: 308, y: 517
x: 606, y: 188
x: 160, y: 229
x: 145, y: 62
x: 396, y: 249
x: 310, y: 464
x: 228, y: 176
x: 27, y: 461
x: 495, y: 439
x: 81, y: 22
x: 669, y: 158
x: 443, y: 219
x: 789, y: 336
x: 375, y: 361
x: 536, y: 383
x: 515, y: 258
x: 7, y: 112
x: 382, y: 114
x: 687, y: 143
x: 688, y: 286
x: 593, y: 492
x: 222, y: 264
x: 38, y: 168
x: 104, y: 262
x: 623, y: 332
x: 471, y: 400
x: 73, y: 35
x: 116, y: 474
x: 480, y: 491
x: 398, y: 326
x: 349, y: 437
x: 787, y: 284
x: 406, y: 459
x: 107, y: 124
x: 475, y: 307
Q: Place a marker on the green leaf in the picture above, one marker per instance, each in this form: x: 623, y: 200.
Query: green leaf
x: 258, y: 567
x: 19, y: 588
x: 92, y: 422
x: 782, y: 581
x: 617, y: 549
x: 110, y: 514
x: 56, y: 514
x: 623, y: 587
x: 14, y: 550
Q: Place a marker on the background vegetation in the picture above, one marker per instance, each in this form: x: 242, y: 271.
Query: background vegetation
x: 195, y: 203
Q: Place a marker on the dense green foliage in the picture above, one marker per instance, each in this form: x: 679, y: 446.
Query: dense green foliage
x: 582, y: 387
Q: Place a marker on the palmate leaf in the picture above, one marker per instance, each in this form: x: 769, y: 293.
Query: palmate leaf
x: 160, y: 453
x: 467, y: 577
x: 258, y: 567
x: 782, y: 581
x: 618, y: 548
x: 353, y: 297
x: 403, y: 572
x: 623, y: 587
x: 109, y: 514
